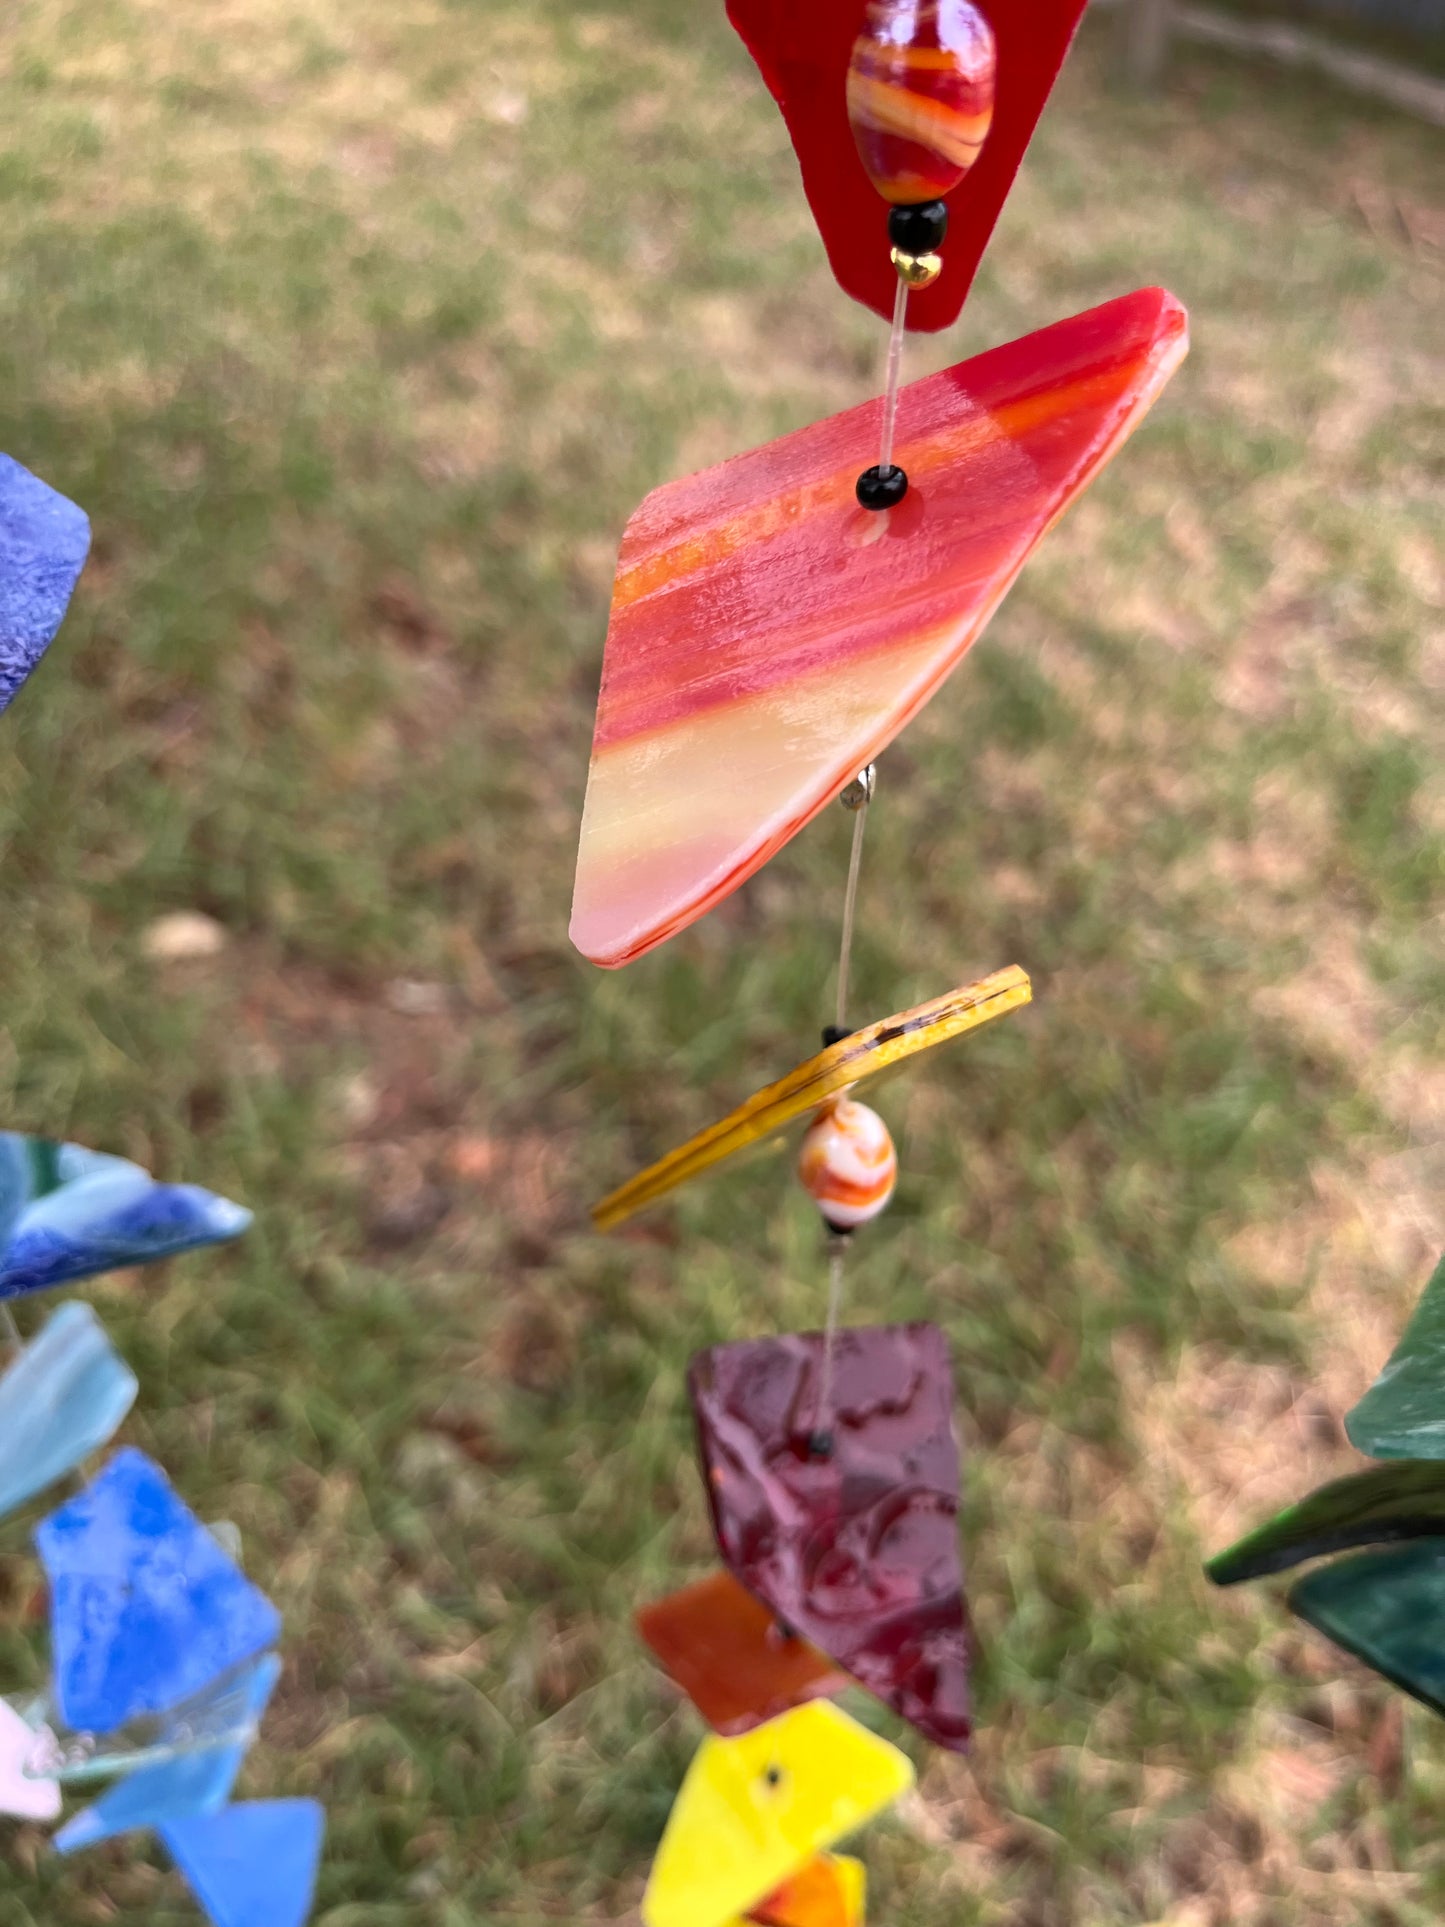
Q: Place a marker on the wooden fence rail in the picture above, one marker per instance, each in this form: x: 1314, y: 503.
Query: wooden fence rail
x: 1149, y: 25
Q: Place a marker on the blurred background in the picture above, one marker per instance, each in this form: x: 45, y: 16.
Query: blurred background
x: 359, y: 330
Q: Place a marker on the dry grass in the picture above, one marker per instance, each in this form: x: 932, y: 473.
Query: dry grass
x: 359, y: 331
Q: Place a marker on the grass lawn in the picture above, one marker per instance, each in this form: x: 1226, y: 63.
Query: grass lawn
x: 359, y: 329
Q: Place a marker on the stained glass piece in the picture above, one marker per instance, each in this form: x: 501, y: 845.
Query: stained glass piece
x: 189, y: 1783
x: 1405, y: 1500
x: 223, y: 1714
x: 756, y: 1809
x: 865, y: 1054
x: 61, y: 1399
x: 920, y: 95
x: 1402, y: 1416
x: 22, y: 1795
x: 44, y: 540
x: 146, y: 1609
x: 856, y: 1548
x: 730, y: 1656
x: 830, y: 1891
x: 1388, y: 1609
x: 769, y: 637
x: 803, y: 48
x: 254, y: 1864
x: 84, y: 1213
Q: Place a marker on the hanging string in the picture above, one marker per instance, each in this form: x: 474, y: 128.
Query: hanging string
x: 850, y: 902
x: 892, y: 377
x: 822, y: 1440
x: 856, y: 797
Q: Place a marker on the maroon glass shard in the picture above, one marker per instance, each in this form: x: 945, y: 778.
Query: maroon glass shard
x: 845, y: 1521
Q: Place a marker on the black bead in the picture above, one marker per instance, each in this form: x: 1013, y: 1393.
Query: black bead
x: 820, y: 1445
x: 882, y: 488
x: 834, y: 1034
x: 918, y: 229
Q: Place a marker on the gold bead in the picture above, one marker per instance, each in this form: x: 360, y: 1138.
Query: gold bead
x: 918, y: 270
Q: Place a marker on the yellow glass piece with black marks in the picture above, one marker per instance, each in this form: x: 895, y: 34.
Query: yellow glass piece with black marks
x: 875, y: 1048
x: 754, y: 1811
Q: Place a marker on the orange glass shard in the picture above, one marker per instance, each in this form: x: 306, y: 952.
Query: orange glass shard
x: 730, y: 1656
x: 769, y: 637
x: 876, y: 1048
x: 830, y: 1892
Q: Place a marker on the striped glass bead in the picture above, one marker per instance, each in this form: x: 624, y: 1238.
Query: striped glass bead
x: 920, y: 95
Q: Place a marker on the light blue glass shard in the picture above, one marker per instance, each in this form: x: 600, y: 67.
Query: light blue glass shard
x: 1402, y: 1416
x: 62, y: 1399
x: 220, y: 1716
x: 16, y: 1181
x: 190, y: 1783
x: 252, y: 1865
x: 145, y: 1608
x: 83, y: 1212
x: 44, y: 540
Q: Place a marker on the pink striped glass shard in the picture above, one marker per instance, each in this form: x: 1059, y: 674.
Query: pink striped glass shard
x: 769, y: 637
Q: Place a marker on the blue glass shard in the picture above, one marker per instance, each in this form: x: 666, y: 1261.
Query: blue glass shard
x: 252, y: 1865
x: 190, y: 1783
x: 83, y: 1212
x: 44, y: 540
x: 62, y: 1399
x: 145, y: 1608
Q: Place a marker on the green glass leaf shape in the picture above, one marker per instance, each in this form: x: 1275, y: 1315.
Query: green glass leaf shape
x: 1401, y: 1501
x: 1388, y: 1609
x: 1402, y: 1416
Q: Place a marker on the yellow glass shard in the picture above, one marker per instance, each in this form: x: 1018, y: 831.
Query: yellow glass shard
x: 756, y: 1810
x: 877, y: 1047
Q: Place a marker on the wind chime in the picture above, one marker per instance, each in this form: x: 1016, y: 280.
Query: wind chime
x: 162, y: 1650
x: 776, y: 621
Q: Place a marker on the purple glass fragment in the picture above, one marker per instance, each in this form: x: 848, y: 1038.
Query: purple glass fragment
x: 44, y: 540
x: 855, y: 1547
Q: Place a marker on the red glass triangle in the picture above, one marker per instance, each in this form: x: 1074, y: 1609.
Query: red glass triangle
x: 856, y: 1550
x: 730, y: 1656
x: 803, y: 47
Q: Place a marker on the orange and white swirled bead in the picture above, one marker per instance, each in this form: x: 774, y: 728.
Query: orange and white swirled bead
x: 847, y: 1163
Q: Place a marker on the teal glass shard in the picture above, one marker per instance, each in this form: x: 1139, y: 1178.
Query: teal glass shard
x: 252, y: 1865
x: 1388, y: 1609
x: 82, y: 1212
x: 61, y: 1399
x: 1401, y: 1501
x: 1402, y: 1416
x: 186, y: 1784
x: 223, y: 1715
x: 146, y: 1609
